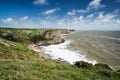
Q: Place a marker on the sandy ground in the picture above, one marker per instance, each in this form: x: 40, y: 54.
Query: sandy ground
x: 39, y: 50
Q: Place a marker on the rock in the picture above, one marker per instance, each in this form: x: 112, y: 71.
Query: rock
x: 103, y: 66
x: 52, y: 37
x: 65, y: 31
x: 83, y: 64
x: 118, y: 70
x: 72, y: 30
x: 10, y: 36
x: 61, y: 61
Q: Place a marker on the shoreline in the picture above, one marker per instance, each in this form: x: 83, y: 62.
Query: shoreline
x: 42, y: 53
x: 62, y: 55
x: 42, y: 48
x: 39, y: 50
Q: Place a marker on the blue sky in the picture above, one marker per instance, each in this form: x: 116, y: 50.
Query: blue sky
x: 73, y: 14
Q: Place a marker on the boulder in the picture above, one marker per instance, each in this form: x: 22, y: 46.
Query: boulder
x: 103, y: 66
x: 83, y: 64
x: 10, y: 36
x: 118, y: 70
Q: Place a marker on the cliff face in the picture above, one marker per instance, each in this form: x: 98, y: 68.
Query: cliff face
x: 55, y: 36
x: 41, y: 36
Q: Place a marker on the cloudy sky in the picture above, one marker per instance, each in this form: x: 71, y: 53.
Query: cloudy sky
x: 70, y: 14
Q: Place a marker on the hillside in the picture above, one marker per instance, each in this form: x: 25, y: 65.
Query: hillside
x: 17, y: 62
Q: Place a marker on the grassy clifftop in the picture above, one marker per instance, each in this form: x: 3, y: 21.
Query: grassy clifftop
x: 17, y: 62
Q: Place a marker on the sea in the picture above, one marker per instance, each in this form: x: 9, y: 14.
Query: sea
x: 90, y: 46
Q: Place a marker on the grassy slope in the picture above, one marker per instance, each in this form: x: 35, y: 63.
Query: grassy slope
x: 50, y: 70
x: 19, y: 63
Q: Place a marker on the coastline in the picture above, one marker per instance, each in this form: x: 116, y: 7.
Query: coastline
x: 22, y: 58
x: 60, y: 53
x: 77, y: 58
x: 39, y: 50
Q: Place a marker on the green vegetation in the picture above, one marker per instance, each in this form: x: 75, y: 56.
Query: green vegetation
x: 50, y: 70
x: 26, y: 35
x: 47, y: 35
x: 17, y: 62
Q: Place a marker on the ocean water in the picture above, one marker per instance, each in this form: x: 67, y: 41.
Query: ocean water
x: 102, y: 46
x: 90, y: 46
x: 61, y: 51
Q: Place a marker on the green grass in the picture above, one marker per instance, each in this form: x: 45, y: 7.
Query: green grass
x: 17, y: 62
x: 16, y: 51
x: 50, y: 70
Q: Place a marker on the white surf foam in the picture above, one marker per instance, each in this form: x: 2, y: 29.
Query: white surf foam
x: 60, y: 51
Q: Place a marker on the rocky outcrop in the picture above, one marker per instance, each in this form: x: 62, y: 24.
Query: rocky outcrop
x: 10, y: 36
x: 118, y: 70
x: 103, y: 66
x: 83, y: 64
x: 48, y: 37
x: 50, y: 42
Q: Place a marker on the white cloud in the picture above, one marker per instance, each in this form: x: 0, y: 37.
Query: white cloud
x: 50, y: 11
x: 40, y: 2
x: 8, y: 20
x: 72, y: 13
x: 117, y: 11
x: 108, y: 18
x: 100, y: 15
x: 24, y: 18
x: 96, y: 21
x: 83, y: 11
x: 61, y: 21
x: 95, y: 4
x: 100, y: 21
x: 90, y: 16
x: 118, y: 21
